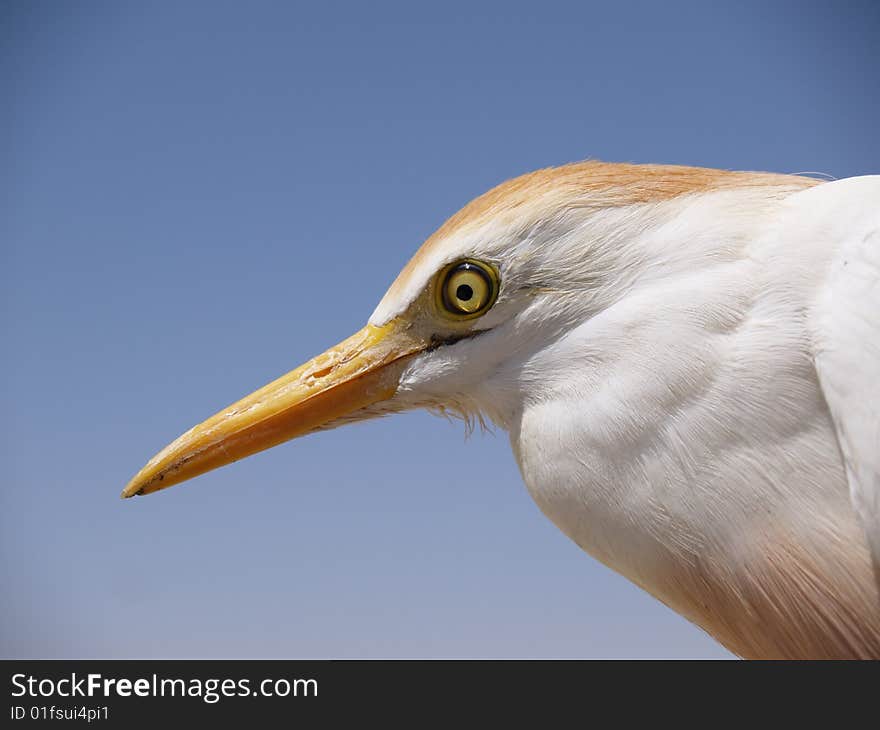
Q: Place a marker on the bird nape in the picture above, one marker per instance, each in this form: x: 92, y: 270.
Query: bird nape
x: 687, y: 362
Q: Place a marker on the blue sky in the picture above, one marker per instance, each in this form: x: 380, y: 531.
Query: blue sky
x: 198, y: 196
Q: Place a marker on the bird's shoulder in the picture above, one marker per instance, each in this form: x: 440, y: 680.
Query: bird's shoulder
x: 844, y: 216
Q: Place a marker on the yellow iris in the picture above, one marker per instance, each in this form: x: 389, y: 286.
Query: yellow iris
x: 468, y: 288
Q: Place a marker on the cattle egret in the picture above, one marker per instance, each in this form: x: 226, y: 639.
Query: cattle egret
x: 687, y: 362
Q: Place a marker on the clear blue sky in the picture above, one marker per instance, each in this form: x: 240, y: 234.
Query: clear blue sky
x: 196, y: 197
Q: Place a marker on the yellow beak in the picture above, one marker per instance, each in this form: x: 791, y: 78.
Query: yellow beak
x: 358, y: 372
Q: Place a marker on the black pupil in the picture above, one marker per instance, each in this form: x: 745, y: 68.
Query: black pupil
x: 464, y: 292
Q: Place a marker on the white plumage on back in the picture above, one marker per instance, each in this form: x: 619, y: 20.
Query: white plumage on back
x: 846, y: 215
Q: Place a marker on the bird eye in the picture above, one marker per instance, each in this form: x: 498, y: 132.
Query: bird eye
x: 468, y: 288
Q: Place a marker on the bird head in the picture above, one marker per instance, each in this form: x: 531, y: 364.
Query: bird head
x: 464, y: 326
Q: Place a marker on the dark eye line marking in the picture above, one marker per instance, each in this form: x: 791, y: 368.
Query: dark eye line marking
x: 443, y: 340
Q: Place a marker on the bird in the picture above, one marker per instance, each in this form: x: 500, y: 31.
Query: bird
x: 687, y: 363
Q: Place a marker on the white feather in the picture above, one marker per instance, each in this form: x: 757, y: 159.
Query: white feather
x: 845, y: 216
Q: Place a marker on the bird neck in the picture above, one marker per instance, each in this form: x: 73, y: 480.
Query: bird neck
x: 665, y: 447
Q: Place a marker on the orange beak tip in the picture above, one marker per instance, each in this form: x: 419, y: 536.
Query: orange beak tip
x: 356, y: 373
